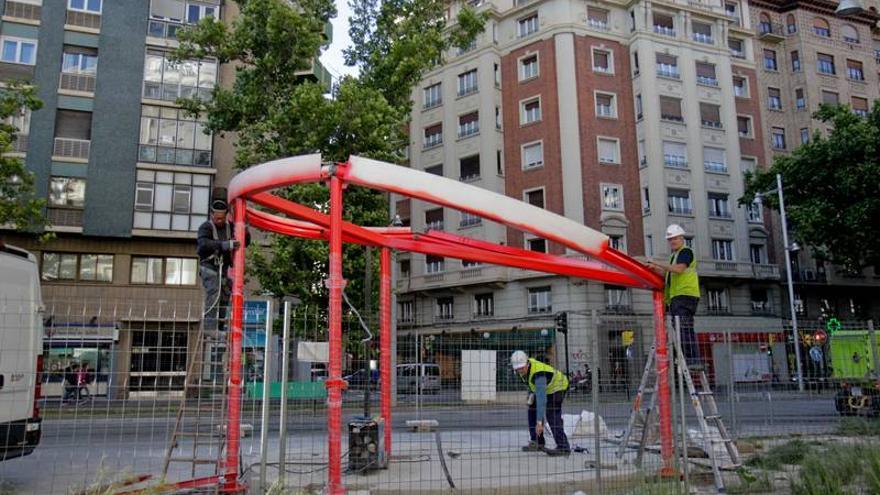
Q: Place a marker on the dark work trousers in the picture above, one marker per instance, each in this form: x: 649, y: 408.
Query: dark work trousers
x: 216, y: 307
x: 554, y: 420
x: 684, y: 307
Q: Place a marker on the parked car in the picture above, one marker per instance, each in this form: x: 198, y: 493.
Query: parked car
x: 412, y: 378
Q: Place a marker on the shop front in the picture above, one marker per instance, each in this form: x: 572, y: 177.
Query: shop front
x: 70, y: 345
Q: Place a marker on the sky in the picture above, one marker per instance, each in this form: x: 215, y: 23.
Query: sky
x: 332, y: 57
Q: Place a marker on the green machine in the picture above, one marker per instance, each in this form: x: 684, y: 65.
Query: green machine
x: 852, y: 364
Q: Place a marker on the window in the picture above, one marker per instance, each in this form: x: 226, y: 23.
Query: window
x: 799, y: 101
x: 667, y: 65
x: 643, y: 157
x: 432, y: 95
x: 467, y: 83
x: 821, y: 27
x: 616, y: 298
x: 755, y: 213
x: 719, y: 205
x: 436, y: 170
x: 737, y: 47
x: 67, y: 192
x: 849, y: 33
x: 445, y: 308
x: 535, y: 197
x: 18, y: 50
x: 860, y: 106
x: 664, y: 24
x: 744, y: 126
x: 163, y: 271
x: 83, y: 267
x: 527, y: 25
x: 830, y: 98
x: 679, y: 202
x: 606, y: 105
x: 760, y: 302
x: 740, y: 87
x: 433, y: 136
x: 165, y: 79
x: 710, y: 115
x: 434, y: 264
x: 716, y: 301
x: 854, y: 70
x: 470, y: 264
x: 774, y: 99
x: 171, y: 200
x: 702, y: 32
x: 434, y: 219
x: 805, y: 135
x: 670, y: 109
x: 689, y: 241
x: 90, y: 6
x: 674, y: 154
x: 533, y: 155
x: 635, y: 63
x: 469, y: 167
x: 169, y: 135
x: 706, y: 74
x: 638, y: 107
x: 530, y: 111
x: 405, y: 268
x: 765, y: 25
x: 722, y: 249
x: 539, y: 300
x: 756, y: 254
x: 406, y: 312
x: 612, y: 197
x: 536, y: 245
x: 609, y: 150
x: 777, y: 138
x: 499, y: 164
x: 196, y: 12
x: 469, y: 124
x: 714, y: 160
x: 731, y: 9
x: 617, y: 242
x: 602, y: 61
x: 528, y: 67
x: 646, y: 200
x: 79, y: 60
x: 469, y: 220
x: 496, y: 70
x: 597, y: 18
x: 825, y: 63
x: 649, y: 245
x: 498, y: 118
x: 484, y: 304
x: 790, y: 24
x: 795, y: 61
x: 770, y: 60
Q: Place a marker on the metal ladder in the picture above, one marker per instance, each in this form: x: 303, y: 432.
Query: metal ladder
x: 699, y: 399
x: 199, y: 435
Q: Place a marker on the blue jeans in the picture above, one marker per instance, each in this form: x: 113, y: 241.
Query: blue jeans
x: 554, y: 420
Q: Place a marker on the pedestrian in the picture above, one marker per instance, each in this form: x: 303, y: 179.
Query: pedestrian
x: 82, y: 380
x: 69, y: 382
x: 547, y: 388
x: 215, y: 245
x: 682, y: 291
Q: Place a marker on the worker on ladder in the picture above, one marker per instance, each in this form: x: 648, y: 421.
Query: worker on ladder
x: 215, y: 246
x: 547, y: 388
x: 682, y: 290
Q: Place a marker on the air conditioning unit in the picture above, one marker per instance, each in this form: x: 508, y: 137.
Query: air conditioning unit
x: 809, y: 276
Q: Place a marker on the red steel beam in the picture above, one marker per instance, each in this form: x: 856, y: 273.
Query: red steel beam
x: 662, y: 363
x: 385, y: 344
x: 335, y: 383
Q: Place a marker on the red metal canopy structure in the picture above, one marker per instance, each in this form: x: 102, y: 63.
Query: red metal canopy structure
x: 594, y: 260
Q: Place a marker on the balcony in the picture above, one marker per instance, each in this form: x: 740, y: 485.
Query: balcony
x: 468, y: 130
x: 78, y: 82
x: 737, y: 269
x: 481, y: 274
x: 20, y: 10
x: 672, y: 118
x: 163, y: 29
x: 681, y: 210
x: 771, y: 32
x: 762, y: 308
x: 715, y: 124
x: 737, y: 53
x: 675, y: 161
x: 598, y: 24
x: 707, y: 81
x: 71, y: 148
x: 604, y: 110
x: 717, y: 167
x: 83, y: 19
x: 704, y: 38
x: 670, y: 71
x: 437, y: 225
x: 664, y: 30
x: 65, y: 217
x: 766, y: 272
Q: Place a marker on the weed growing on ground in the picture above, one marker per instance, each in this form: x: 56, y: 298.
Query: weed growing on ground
x: 859, y: 427
x: 838, y: 470
x: 778, y: 456
x: 750, y: 482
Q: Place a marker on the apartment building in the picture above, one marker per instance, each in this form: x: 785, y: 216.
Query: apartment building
x: 128, y: 178
x: 626, y: 117
x: 808, y: 56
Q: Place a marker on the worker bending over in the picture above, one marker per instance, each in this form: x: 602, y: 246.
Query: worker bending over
x: 547, y: 388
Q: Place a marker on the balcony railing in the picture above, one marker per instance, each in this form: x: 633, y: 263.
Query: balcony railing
x: 715, y: 167
x: 83, y: 19
x: 675, y: 161
x: 163, y: 29
x: 20, y: 10
x: 681, y: 210
x: 72, y: 148
x: 20, y: 144
x: 78, y: 82
x: 65, y: 217
x: 716, y: 124
x: 598, y: 24
x: 737, y: 53
x: 771, y: 31
x: 668, y: 71
x: 664, y: 30
x: 437, y: 225
x: 671, y: 117
x: 707, y: 81
x: 740, y: 92
x: 468, y: 130
x: 604, y: 110
x: 704, y: 38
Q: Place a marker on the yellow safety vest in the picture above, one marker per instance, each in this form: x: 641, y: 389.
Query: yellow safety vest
x: 686, y: 283
x: 558, y: 383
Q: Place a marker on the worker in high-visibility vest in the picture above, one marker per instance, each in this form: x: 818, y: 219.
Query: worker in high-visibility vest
x: 682, y: 290
x: 547, y: 388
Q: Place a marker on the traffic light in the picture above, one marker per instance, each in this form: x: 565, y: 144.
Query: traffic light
x: 562, y: 323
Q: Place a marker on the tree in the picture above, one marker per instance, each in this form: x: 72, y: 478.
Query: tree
x: 275, y: 112
x: 832, y: 188
x: 19, y: 208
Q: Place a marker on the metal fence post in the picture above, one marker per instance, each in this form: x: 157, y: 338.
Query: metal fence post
x: 731, y: 393
x: 285, y: 367
x: 873, y: 337
x: 267, y: 382
x: 683, y: 424
x: 597, y: 444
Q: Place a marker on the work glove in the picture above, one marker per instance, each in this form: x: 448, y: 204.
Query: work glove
x: 229, y: 245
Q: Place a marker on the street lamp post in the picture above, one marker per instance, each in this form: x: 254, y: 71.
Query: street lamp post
x: 788, y: 248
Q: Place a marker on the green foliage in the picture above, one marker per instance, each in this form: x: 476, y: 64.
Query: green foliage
x: 19, y: 207
x: 859, y: 427
x: 779, y: 456
x: 750, y: 482
x: 834, y: 471
x: 832, y: 195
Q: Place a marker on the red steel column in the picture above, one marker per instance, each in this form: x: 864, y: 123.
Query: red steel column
x: 663, y: 398
x: 385, y: 344
x: 233, y: 436
x: 334, y: 383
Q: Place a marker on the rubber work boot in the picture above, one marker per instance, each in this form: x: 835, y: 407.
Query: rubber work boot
x: 533, y: 447
x: 557, y: 452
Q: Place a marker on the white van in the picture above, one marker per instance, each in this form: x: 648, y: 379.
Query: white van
x: 408, y: 378
x: 21, y: 352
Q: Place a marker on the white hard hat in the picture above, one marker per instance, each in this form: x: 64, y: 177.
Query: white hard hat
x: 674, y: 230
x: 518, y: 359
